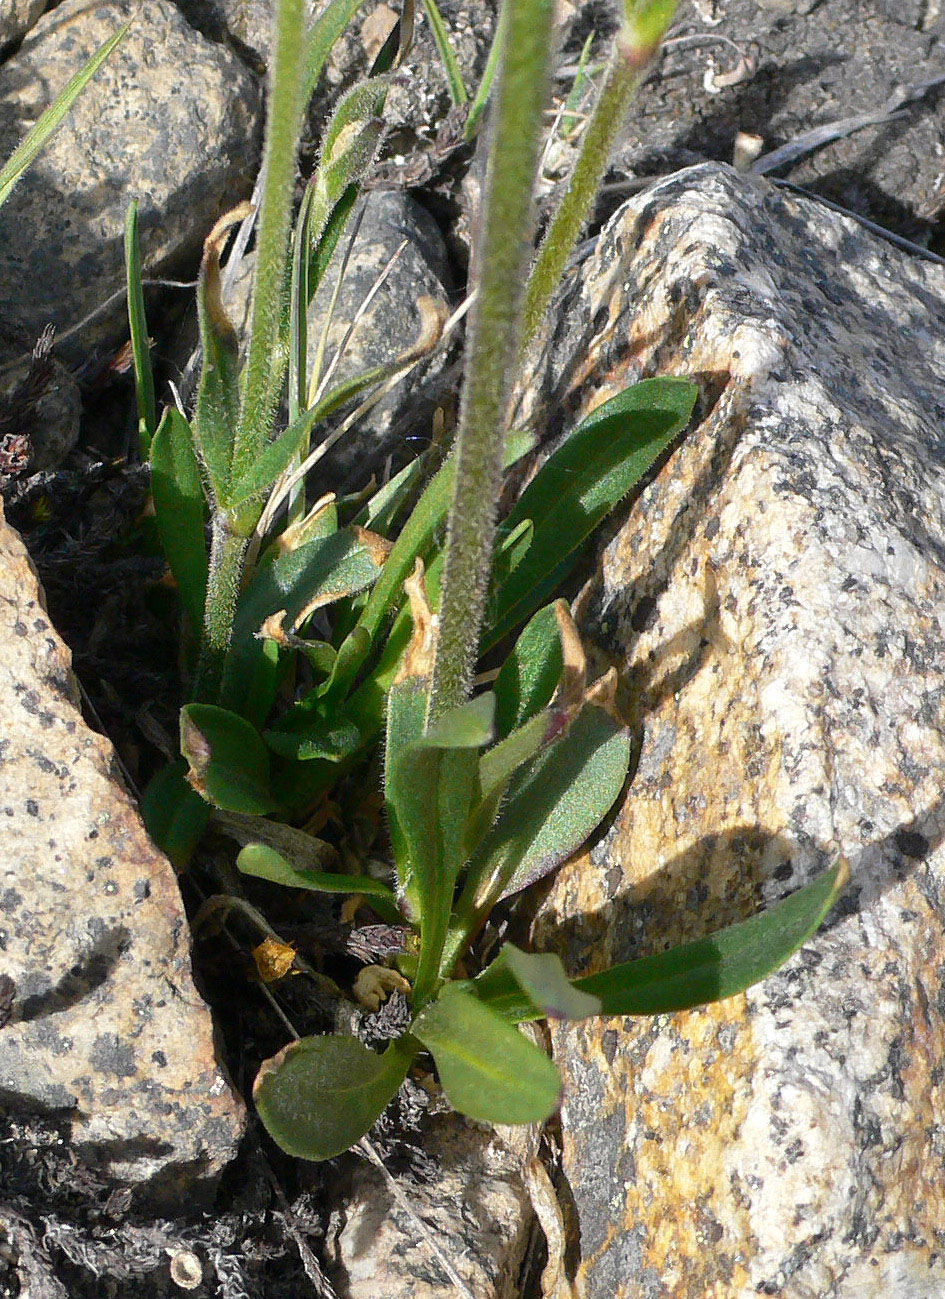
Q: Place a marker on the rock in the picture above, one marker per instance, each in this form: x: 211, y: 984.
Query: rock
x: 474, y: 1204
x: 774, y: 604
x: 389, y: 327
x: 170, y: 120
x: 17, y: 17
x: 104, y: 1027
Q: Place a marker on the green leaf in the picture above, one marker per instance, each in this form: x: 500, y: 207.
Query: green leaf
x: 380, y: 512
x: 323, y: 34
x: 271, y: 461
x: 722, y: 965
x: 529, y: 676
x: 39, y: 134
x: 594, y: 469
x: 432, y: 787
x: 217, y: 409
x: 488, y: 1069
x: 180, y: 511
x: 138, y: 328
x: 266, y: 863
x: 454, y: 76
x: 311, y: 576
x: 229, y: 763
x: 320, y: 1095
x: 553, y: 805
x: 174, y: 814
x: 531, y: 985
x: 351, y: 654
x: 310, y: 731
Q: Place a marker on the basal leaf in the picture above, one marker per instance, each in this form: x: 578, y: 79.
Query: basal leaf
x: 529, y: 676
x: 295, y: 584
x: 228, y: 761
x: 320, y: 1095
x: 527, y: 985
x: 309, y: 732
x: 174, y: 814
x: 487, y: 1068
x: 272, y: 461
x: 180, y: 511
x: 593, y: 469
x: 721, y: 965
x: 553, y: 805
x: 265, y: 863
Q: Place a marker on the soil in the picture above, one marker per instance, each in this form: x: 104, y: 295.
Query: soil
x: 86, y: 528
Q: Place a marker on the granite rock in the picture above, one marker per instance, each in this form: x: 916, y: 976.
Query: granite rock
x: 473, y: 1201
x: 104, y: 1029
x: 776, y: 606
x: 170, y: 120
x: 17, y: 17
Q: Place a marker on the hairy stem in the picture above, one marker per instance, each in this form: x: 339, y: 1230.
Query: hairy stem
x: 635, y: 48
x: 265, y: 362
x: 493, y: 347
x: 227, y: 551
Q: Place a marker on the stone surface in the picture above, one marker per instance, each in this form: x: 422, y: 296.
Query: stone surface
x: 776, y: 605
x: 106, y: 1030
x: 17, y: 17
x: 389, y: 327
x: 170, y: 120
x: 474, y: 1203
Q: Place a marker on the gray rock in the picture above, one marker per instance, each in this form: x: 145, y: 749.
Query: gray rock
x: 17, y: 17
x: 774, y: 604
x: 170, y: 120
x: 474, y: 1206
x: 389, y: 327
x: 106, y: 1030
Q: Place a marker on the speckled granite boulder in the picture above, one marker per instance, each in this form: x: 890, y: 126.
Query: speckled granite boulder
x: 776, y: 605
x: 473, y: 1201
x: 170, y: 120
x: 17, y: 17
x: 103, y: 1026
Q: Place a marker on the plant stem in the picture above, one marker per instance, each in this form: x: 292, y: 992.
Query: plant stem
x: 635, y: 48
x: 493, y: 347
x: 227, y: 551
x: 265, y: 362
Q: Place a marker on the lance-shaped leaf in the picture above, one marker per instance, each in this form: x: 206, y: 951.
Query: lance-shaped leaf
x: 291, y: 588
x: 266, y: 863
x: 228, y: 761
x: 307, y: 733
x: 49, y: 121
x: 322, y: 37
x: 217, y: 409
x: 488, y: 1069
x: 529, y: 676
x: 593, y: 469
x: 532, y: 985
x: 174, y: 814
x: 320, y: 1095
x: 138, y: 329
x: 553, y: 806
x: 723, y: 964
x: 180, y: 510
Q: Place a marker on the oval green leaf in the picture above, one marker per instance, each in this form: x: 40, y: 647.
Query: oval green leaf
x: 488, y: 1069
x: 229, y: 763
x: 320, y: 1095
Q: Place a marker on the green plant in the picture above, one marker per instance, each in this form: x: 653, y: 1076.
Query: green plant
x: 485, y: 791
